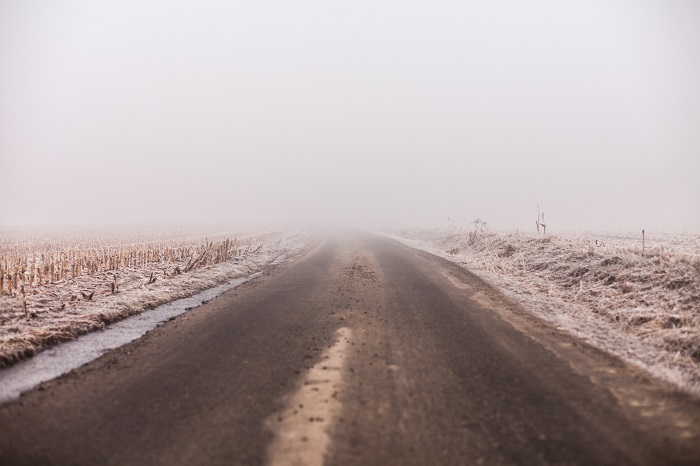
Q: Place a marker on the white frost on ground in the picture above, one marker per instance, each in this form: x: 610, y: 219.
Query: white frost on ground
x: 60, y: 312
x: 643, y: 306
x: 65, y: 357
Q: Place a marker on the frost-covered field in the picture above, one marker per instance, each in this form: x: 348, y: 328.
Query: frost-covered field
x: 58, y: 285
x: 641, y: 304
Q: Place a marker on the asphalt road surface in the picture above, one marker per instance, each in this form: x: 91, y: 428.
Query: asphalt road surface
x: 362, y: 351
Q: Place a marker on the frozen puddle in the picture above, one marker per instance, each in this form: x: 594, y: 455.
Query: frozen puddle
x: 65, y: 357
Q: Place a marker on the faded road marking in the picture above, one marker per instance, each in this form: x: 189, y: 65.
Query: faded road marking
x: 301, y: 431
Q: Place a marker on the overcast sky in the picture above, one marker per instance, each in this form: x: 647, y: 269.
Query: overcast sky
x: 360, y: 112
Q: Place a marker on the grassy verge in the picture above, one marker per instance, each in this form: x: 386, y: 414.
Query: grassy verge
x: 639, y: 302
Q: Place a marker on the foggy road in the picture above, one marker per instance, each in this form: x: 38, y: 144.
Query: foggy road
x: 363, y: 351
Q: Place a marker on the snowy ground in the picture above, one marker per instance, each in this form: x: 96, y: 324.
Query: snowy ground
x: 64, y: 310
x: 643, y: 305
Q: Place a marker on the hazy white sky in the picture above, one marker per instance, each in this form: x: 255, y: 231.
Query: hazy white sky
x: 365, y: 112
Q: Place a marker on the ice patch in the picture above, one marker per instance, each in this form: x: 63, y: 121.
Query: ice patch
x: 279, y: 259
x: 65, y: 357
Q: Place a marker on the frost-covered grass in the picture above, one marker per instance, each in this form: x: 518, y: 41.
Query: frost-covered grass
x: 641, y: 305
x: 150, y: 269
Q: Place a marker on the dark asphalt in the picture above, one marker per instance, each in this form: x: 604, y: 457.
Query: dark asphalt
x: 438, y: 369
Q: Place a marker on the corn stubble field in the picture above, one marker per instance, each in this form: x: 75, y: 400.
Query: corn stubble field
x: 55, y: 286
x: 639, y: 300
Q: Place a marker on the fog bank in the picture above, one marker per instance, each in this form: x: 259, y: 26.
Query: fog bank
x: 361, y: 113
